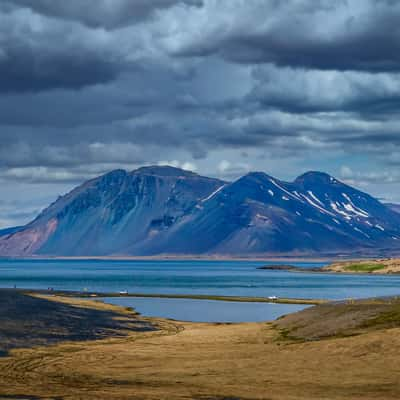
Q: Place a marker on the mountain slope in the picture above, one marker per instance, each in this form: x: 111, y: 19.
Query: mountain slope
x: 259, y: 214
x: 394, y: 207
x: 107, y: 214
x: 160, y: 210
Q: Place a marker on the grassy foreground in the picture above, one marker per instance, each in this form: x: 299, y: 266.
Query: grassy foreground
x: 285, y: 359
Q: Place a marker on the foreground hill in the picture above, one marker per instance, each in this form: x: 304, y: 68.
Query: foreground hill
x: 334, y: 351
x: 165, y: 210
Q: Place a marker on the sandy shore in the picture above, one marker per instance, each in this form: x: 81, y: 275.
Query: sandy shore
x: 355, y: 359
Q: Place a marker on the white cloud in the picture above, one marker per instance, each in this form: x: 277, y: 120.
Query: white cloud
x: 186, y: 165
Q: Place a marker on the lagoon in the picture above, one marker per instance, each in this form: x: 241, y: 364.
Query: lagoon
x: 205, y: 310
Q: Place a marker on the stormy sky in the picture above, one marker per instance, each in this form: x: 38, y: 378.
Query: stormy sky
x: 221, y: 87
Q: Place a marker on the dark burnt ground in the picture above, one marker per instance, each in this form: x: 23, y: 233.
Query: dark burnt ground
x: 27, y: 321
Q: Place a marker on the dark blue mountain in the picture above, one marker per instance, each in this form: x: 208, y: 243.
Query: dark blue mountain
x: 165, y: 210
x: 8, y: 231
x: 112, y: 213
x: 260, y: 214
x: 393, y: 206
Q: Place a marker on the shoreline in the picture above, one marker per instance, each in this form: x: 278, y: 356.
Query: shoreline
x: 306, y: 258
x: 181, y: 258
x: 240, y: 299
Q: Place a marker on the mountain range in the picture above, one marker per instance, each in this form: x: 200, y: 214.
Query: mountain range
x: 160, y: 210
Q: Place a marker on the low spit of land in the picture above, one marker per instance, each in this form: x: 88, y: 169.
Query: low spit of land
x: 378, y: 266
x: 62, y: 348
x: 241, y: 299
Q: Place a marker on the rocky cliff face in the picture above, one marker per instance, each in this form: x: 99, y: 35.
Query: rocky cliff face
x: 260, y: 214
x: 161, y: 210
x: 112, y: 213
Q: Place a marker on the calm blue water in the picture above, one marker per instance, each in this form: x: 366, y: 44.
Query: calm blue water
x: 186, y: 277
x: 230, y: 278
x: 205, y: 310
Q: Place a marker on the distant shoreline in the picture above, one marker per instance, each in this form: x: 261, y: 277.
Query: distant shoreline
x: 323, y: 258
x: 182, y: 258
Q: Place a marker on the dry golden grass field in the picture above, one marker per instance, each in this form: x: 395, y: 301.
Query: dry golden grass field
x: 332, y: 351
x: 378, y: 266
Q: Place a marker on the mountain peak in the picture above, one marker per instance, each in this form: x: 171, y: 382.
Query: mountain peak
x: 115, y: 173
x: 163, y: 209
x: 163, y: 170
x: 315, y: 177
x: 257, y: 175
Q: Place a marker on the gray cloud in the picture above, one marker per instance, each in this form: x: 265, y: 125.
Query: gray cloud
x: 41, y: 53
x: 307, y: 91
x: 38, y: 54
x: 107, y: 14
x: 225, y: 85
x: 324, y: 34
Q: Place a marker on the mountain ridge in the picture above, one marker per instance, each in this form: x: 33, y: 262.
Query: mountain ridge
x: 165, y: 210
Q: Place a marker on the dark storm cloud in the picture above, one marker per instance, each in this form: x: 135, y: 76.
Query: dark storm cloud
x: 326, y: 34
x: 25, y: 70
x: 308, y: 91
x: 107, y: 14
x: 99, y: 86
x: 38, y: 54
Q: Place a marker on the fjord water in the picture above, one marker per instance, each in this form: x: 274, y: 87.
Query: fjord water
x: 229, y: 278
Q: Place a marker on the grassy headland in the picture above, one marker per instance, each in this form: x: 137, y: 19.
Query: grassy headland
x: 364, y: 267
x: 378, y: 266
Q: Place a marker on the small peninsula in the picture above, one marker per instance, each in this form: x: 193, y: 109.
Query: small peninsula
x: 376, y: 266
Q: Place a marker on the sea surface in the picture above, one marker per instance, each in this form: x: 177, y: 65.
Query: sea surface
x: 229, y: 278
